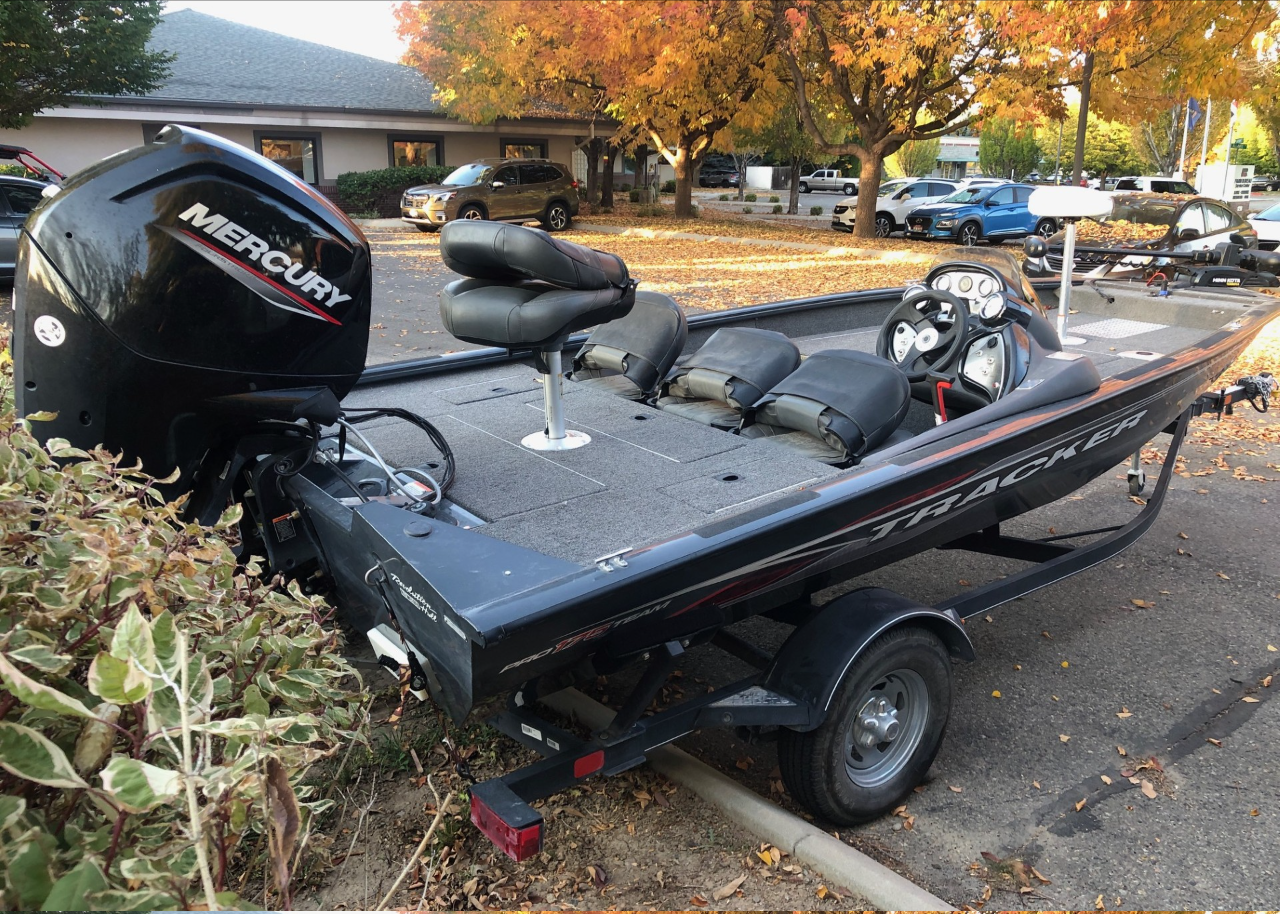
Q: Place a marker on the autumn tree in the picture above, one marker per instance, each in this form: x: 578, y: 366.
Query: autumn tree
x: 918, y: 158
x: 1127, y: 58
x: 56, y: 52
x: 1007, y: 149
x: 673, y: 73
x: 786, y: 141
x: 897, y: 70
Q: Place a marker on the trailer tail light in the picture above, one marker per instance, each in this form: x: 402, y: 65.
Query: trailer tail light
x: 508, y: 821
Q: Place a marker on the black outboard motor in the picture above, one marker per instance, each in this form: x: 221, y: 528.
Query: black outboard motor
x: 173, y: 296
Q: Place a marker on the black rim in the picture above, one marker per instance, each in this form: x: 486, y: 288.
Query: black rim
x: 968, y: 235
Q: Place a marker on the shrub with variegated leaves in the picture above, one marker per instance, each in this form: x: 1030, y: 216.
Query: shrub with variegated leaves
x: 159, y: 701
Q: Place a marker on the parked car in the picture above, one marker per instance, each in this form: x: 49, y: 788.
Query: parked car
x: 980, y: 211
x: 980, y: 181
x: 18, y: 197
x: 504, y: 190
x: 1158, y: 223
x: 718, y: 177
x: 1155, y: 184
x: 1262, y: 183
x: 894, y: 201
x: 829, y: 179
x: 36, y: 167
x: 1267, y: 226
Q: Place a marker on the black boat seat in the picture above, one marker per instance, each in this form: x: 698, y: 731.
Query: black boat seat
x: 630, y: 356
x: 526, y: 289
x: 728, y: 374
x: 835, y: 407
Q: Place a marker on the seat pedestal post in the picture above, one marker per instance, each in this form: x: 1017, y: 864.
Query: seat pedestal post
x: 555, y: 437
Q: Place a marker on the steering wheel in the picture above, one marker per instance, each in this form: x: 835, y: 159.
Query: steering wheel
x: 917, y: 338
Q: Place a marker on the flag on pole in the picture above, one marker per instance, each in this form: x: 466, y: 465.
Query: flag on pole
x: 1193, y: 113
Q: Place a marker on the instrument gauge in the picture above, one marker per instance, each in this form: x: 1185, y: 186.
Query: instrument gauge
x: 942, y: 283
x: 986, y: 285
x: 966, y: 283
x: 991, y: 307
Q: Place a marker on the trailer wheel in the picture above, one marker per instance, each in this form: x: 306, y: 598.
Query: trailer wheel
x: 884, y: 727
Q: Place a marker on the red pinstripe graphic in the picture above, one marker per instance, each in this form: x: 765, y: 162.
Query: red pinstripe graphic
x: 267, y: 279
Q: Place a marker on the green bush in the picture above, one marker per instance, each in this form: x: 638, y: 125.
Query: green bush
x: 777, y: 208
x: 815, y: 211
x: 634, y: 195
x: 162, y: 702
x: 379, y: 191
x: 724, y: 197
x: 751, y: 198
x: 624, y: 187
x: 16, y: 170
x: 669, y: 187
x: 748, y: 209
x: 774, y: 198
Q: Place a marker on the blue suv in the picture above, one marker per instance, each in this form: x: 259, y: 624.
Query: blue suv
x: 994, y: 211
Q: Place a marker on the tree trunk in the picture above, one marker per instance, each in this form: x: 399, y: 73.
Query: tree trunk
x: 606, y: 184
x: 864, y: 225
x: 684, y: 167
x: 793, y: 202
x: 642, y: 166
x: 740, y: 163
x: 1086, y: 84
x: 592, y: 151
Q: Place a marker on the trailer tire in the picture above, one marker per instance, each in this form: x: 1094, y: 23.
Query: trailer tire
x: 903, y: 682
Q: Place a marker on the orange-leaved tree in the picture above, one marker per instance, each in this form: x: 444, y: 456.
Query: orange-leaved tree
x: 1130, y: 59
x: 891, y: 71
x: 672, y: 72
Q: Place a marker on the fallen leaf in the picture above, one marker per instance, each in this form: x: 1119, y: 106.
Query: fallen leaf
x: 1035, y: 784
x: 1081, y: 804
x: 964, y: 583
x: 1223, y: 576
x: 1046, y: 635
x: 1250, y: 699
x: 729, y: 888
x: 954, y: 789
x: 996, y: 694
x: 1181, y: 535
x: 1253, y: 812
x: 1142, y: 604
x: 986, y: 894
x: 1063, y: 738
x: 1035, y: 872
x: 698, y: 901
x: 822, y: 891
x: 1148, y: 791
x: 598, y: 876
x: 988, y: 619
x: 987, y: 855
x: 1065, y: 664
x: 1105, y: 779
x: 745, y: 762
x: 1272, y: 648
x: 1098, y: 903
x: 1123, y: 713
x: 643, y: 796
x: 1120, y: 749
x: 1216, y: 742
x: 1266, y: 682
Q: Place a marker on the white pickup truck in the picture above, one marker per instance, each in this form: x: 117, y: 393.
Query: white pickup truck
x: 829, y: 179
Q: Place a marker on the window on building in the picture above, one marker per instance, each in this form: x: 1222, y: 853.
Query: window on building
x: 524, y: 149
x: 415, y: 150
x: 298, y: 154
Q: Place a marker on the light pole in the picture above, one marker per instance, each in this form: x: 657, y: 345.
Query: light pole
x: 1057, y: 172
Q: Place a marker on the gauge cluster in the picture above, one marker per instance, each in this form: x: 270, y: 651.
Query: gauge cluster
x: 982, y: 293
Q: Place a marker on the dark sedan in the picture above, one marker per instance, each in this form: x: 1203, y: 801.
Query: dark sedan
x: 1158, y: 223
x: 718, y: 177
x: 18, y: 197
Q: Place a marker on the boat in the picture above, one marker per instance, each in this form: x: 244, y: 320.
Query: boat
x: 608, y: 482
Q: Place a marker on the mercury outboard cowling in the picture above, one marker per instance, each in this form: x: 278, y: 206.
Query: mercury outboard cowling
x: 174, y: 295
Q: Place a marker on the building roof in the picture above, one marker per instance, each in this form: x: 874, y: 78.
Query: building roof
x: 226, y: 63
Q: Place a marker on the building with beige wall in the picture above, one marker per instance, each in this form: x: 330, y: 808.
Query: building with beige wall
x: 315, y: 110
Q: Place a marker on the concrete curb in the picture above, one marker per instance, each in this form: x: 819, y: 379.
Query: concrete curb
x: 838, y: 862
x: 658, y: 234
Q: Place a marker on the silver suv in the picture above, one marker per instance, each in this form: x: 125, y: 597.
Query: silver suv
x: 504, y: 190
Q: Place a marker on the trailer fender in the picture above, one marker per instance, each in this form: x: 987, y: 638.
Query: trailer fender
x: 814, y: 659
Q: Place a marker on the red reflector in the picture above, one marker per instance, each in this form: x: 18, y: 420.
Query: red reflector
x: 588, y: 764
x: 517, y: 843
